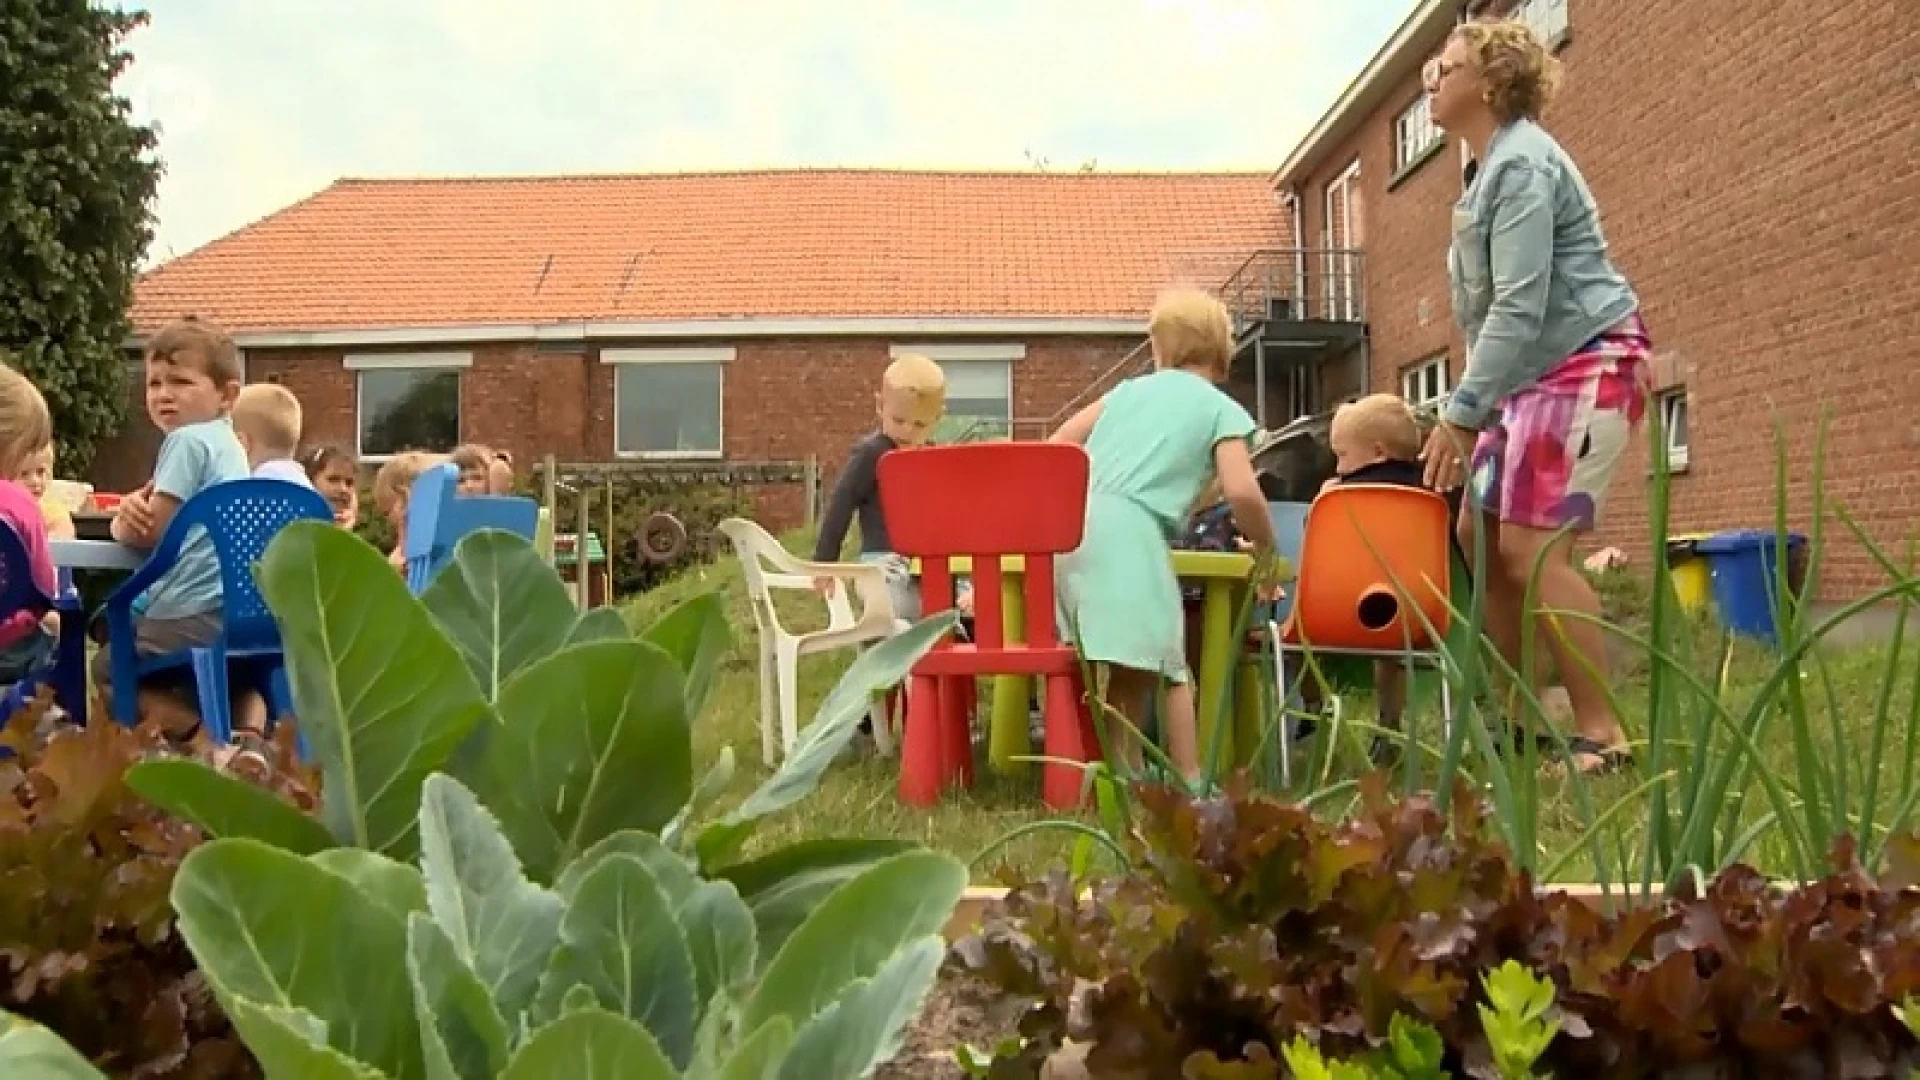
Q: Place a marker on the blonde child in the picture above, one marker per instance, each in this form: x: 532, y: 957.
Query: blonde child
x: 192, y: 379
x: 475, y: 463
x: 266, y: 420
x: 27, y: 641
x: 335, y: 473
x: 36, y: 475
x: 1377, y: 440
x: 1154, y: 442
x: 500, y: 474
x: 392, y: 486
x: 911, y: 399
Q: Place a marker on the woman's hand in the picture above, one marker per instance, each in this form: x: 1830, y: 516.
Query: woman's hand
x: 1446, y: 455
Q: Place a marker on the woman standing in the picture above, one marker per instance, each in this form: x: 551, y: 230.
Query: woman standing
x: 1557, y: 362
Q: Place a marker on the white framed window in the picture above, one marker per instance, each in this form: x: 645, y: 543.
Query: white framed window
x: 1546, y: 18
x: 979, y: 388
x: 667, y: 403
x: 1674, y: 427
x: 1414, y: 133
x: 1425, y: 385
x: 406, y: 401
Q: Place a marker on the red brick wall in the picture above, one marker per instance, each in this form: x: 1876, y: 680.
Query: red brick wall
x: 1756, y: 171
x: 784, y: 399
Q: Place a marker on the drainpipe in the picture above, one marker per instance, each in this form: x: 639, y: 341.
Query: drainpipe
x: 1260, y: 377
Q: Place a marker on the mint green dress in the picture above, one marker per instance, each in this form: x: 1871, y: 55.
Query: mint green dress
x: 1152, y: 453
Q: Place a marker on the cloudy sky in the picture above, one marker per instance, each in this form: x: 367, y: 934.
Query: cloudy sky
x: 262, y: 102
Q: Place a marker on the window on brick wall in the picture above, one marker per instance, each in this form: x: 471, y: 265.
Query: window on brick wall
x: 667, y: 402
x: 979, y: 389
x: 1425, y: 384
x: 1674, y: 426
x: 1547, y: 19
x: 407, y: 401
x: 1414, y: 134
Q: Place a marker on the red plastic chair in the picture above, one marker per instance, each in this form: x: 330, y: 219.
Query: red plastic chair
x: 986, y: 501
x: 1374, y: 577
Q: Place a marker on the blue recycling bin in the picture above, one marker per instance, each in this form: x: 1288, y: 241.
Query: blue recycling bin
x: 1742, y: 564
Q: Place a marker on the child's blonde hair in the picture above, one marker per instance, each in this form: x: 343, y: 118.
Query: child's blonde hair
x: 1190, y: 328
x: 471, y: 456
x: 920, y: 377
x: 269, y: 415
x: 1383, y: 420
x: 394, y: 481
x: 25, y: 425
x: 191, y: 336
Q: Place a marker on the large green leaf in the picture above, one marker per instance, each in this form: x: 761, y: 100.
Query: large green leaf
x: 671, y: 872
x: 855, y: 931
x: 695, y: 634
x: 393, y: 885
x: 822, y: 741
x: 462, y: 1035
x: 501, y: 604
x: 759, y: 1055
x: 599, y: 624
x: 29, y: 1050
x: 383, y: 697
x: 290, y: 1042
x: 592, y: 740
x: 712, y: 784
x: 862, y: 1028
x: 620, y: 939
x: 783, y: 887
x: 501, y: 925
x: 591, y: 1045
x: 271, y: 927
x: 720, y: 938
x: 225, y: 805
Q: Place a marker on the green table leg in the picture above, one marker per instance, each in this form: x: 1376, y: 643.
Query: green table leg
x: 1248, y: 718
x: 1007, y: 733
x: 1216, y: 664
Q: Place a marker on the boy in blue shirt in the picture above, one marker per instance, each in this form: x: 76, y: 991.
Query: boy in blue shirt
x: 193, y: 378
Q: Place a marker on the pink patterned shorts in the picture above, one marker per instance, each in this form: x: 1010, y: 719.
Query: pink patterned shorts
x: 1547, y: 461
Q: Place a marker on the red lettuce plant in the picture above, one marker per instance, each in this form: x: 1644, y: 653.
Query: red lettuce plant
x: 88, y: 945
x: 1250, y: 922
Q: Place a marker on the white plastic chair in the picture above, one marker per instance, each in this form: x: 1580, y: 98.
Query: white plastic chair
x: 769, y: 566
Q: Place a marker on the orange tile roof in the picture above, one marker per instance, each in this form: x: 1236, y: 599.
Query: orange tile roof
x: 797, y: 244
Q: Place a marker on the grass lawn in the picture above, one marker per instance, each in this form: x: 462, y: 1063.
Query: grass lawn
x: 1843, y: 695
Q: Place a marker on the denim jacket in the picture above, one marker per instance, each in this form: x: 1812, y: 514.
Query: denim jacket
x: 1529, y: 270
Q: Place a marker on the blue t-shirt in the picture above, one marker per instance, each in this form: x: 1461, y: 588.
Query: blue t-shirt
x: 193, y: 458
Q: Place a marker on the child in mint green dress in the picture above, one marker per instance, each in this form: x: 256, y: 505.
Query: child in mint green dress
x: 1155, y: 442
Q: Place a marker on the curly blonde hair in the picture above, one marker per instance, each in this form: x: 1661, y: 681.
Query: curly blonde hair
x: 1521, y: 74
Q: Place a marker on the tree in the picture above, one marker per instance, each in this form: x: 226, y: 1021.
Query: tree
x: 77, y: 183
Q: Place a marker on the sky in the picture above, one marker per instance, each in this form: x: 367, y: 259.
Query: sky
x: 260, y: 103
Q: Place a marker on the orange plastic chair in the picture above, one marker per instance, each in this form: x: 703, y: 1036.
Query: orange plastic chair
x: 986, y: 501
x: 1374, y: 577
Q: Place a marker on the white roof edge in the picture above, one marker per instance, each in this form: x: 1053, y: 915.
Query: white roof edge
x: 743, y: 327
x: 1423, y: 21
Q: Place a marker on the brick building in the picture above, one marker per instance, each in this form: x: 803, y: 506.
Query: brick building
x: 1758, y: 172
x: 737, y: 318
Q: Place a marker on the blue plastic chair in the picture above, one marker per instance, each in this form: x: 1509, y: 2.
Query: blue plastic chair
x: 438, y: 518
x: 1289, y: 534
x: 241, y: 517
x: 19, y: 592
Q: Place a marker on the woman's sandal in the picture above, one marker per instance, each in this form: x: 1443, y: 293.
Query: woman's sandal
x: 1612, y: 759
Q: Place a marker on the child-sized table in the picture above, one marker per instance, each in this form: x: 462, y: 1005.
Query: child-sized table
x: 1223, y: 576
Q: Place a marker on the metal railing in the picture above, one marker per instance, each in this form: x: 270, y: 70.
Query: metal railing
x: 1297, y: 284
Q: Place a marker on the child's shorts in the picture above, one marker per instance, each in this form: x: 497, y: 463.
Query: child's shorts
x: 157, y: 637
x: 30, y: 654
x: 901, y: 588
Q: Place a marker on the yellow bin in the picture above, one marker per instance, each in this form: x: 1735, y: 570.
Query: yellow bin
x: 1691, y: 581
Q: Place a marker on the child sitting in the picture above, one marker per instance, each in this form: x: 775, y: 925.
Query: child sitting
x: 266, y: 420
x: 1376, y: 440
x: 335, y: 474
x: 1154, y: 441
x: 392, y: 487
x: 911, y: 399
x: 36, y: 475
x: 192, y: 378
x: 475, y: 463
x: 27, y: 640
